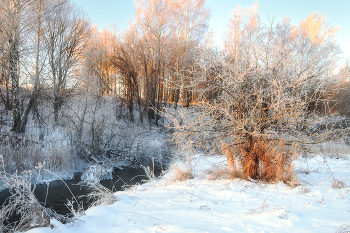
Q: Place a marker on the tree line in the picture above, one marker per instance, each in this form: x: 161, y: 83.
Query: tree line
x: 51, y: 51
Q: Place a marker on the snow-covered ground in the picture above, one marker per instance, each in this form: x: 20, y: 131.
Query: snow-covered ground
x: 204, y: 205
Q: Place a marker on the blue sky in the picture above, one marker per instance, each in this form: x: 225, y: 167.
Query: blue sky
x: 106, y: 12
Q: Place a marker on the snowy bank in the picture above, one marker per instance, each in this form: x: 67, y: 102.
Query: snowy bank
x: 202, y: 205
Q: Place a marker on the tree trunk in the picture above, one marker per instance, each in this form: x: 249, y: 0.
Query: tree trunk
x: 56, y: 108
x: 14, y: 61
x: 176, y: 97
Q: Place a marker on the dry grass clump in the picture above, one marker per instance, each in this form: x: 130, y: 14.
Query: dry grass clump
x: 224, y: 172
x: 304, y: 190
x: 100, y: 195
x: 261, y: 160
x: 267, y: 206
x: 338, y: 184
x: 219, y: 172
x: 180, y: 174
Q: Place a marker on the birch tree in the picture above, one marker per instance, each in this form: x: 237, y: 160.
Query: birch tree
x: 5, y: 77
x: 12, y: 28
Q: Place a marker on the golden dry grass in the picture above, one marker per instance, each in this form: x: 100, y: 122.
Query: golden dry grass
x: 261, y: 161
x: 180, y: 174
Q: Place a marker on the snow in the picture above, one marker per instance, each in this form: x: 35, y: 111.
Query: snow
x: 203, y: 205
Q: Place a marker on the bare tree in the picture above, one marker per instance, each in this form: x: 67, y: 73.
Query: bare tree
x: 189, y: 23
x: 64, y: 41
x: 37, y: 7
x: 12, y: 27
x: 97, y: 60
x: 153, y: 17
x: 126, y: 62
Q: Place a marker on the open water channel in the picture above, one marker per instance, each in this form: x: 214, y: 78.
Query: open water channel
x: 55, y: 194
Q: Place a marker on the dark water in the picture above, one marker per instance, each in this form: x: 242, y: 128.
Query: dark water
x: 56, y: 194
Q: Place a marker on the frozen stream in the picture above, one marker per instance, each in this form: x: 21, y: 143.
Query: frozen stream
x: 58, y: 193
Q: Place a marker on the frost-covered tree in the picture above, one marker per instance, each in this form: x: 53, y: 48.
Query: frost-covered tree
x: 32, y: 31
x: 11, y: 28
x: 189, y: 23
x: 260, y: 94
x: 20, y: 38
x: 65, y: 40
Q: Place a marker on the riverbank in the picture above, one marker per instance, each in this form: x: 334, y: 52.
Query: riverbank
x: 204, y: 205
